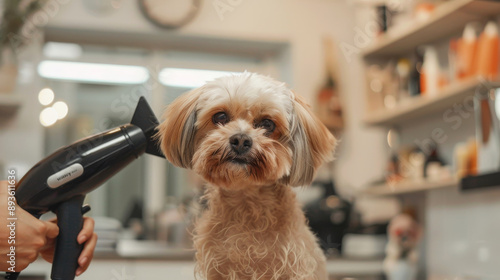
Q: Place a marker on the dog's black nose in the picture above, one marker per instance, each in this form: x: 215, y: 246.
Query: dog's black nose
x: 241, y: 143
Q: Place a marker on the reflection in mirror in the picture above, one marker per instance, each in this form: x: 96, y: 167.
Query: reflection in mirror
x: 100, y: 87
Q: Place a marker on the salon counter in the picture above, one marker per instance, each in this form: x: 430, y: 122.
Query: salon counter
x: 115, y: 267
x: 137, y: 260
x: 122, y: 269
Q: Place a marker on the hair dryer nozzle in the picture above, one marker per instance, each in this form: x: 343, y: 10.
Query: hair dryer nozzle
x: 145, y: 119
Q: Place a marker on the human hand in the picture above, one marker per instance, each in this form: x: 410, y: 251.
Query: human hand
x: 31, y: 234
x: 87, y: 236
x: 34, y: 237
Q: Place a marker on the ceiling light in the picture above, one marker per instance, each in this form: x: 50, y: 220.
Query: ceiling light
x: 93, y: 72
x: 46, y: 96
x: 62, y: 50
x: 48, y: 116
x: 61, y: 109
x: 189, y: 78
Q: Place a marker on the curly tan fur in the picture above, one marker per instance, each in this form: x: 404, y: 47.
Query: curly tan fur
x: 253, y: 227
x: 256, y: 234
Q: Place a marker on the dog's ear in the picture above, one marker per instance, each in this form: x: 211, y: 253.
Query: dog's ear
x: 178, y: 130
x: 312, y: 143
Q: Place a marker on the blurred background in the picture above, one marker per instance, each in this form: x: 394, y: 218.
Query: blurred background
x: 408, y: 86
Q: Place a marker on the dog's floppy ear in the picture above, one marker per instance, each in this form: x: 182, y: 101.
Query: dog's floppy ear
x: 178, y: 130
x: 312, y: 143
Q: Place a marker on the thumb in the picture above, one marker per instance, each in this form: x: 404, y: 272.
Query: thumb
x: 52, y: 229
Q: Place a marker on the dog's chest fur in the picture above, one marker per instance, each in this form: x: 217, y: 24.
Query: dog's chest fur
x: 256, y: 234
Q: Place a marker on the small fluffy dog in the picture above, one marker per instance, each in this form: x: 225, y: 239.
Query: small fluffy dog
x: 401, y: 252
x: 252, y: 139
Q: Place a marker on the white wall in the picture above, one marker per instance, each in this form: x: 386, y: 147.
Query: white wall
x: 463, y: 234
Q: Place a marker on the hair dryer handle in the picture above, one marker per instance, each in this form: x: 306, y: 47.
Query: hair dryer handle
x: 67, y: 251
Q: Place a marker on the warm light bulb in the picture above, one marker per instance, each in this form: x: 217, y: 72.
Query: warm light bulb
x: 46, y: 96
x: 393, y: 138
x: 48, y: 116
x: 61, y: 109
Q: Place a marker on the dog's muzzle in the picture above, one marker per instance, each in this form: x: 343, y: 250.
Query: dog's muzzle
x: 240, y: 143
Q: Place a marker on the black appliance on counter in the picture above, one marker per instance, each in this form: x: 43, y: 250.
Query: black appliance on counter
x: 329, y: 218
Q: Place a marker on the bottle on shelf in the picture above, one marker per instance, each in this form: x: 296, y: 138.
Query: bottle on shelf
x: 433, y: 164
x: 414, y: 78
x: 452, y: 60
x: 466, y: 51
x: 487, y: 52
x: 465, y: 159
x: 487, y: 133
x: 403, y: 74
x: 430, y: 74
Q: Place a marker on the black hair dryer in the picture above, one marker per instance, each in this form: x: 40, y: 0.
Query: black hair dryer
x: 60, y: 182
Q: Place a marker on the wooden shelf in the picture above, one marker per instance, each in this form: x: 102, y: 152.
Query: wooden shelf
x: 9, y: 104
x: 421, y: 106
x: 487, y: 180
x: 447, y: 19
x: 406, y: 187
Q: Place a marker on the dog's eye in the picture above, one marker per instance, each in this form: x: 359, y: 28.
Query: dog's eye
x: 267, y: 124
x: 220, y: 118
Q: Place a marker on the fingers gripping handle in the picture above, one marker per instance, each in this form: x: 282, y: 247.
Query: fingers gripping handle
x: 67, y: 251
x: 15, y: 275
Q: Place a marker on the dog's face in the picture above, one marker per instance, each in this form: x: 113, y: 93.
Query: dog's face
x: 404, y: 231
x: 246, y: 130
